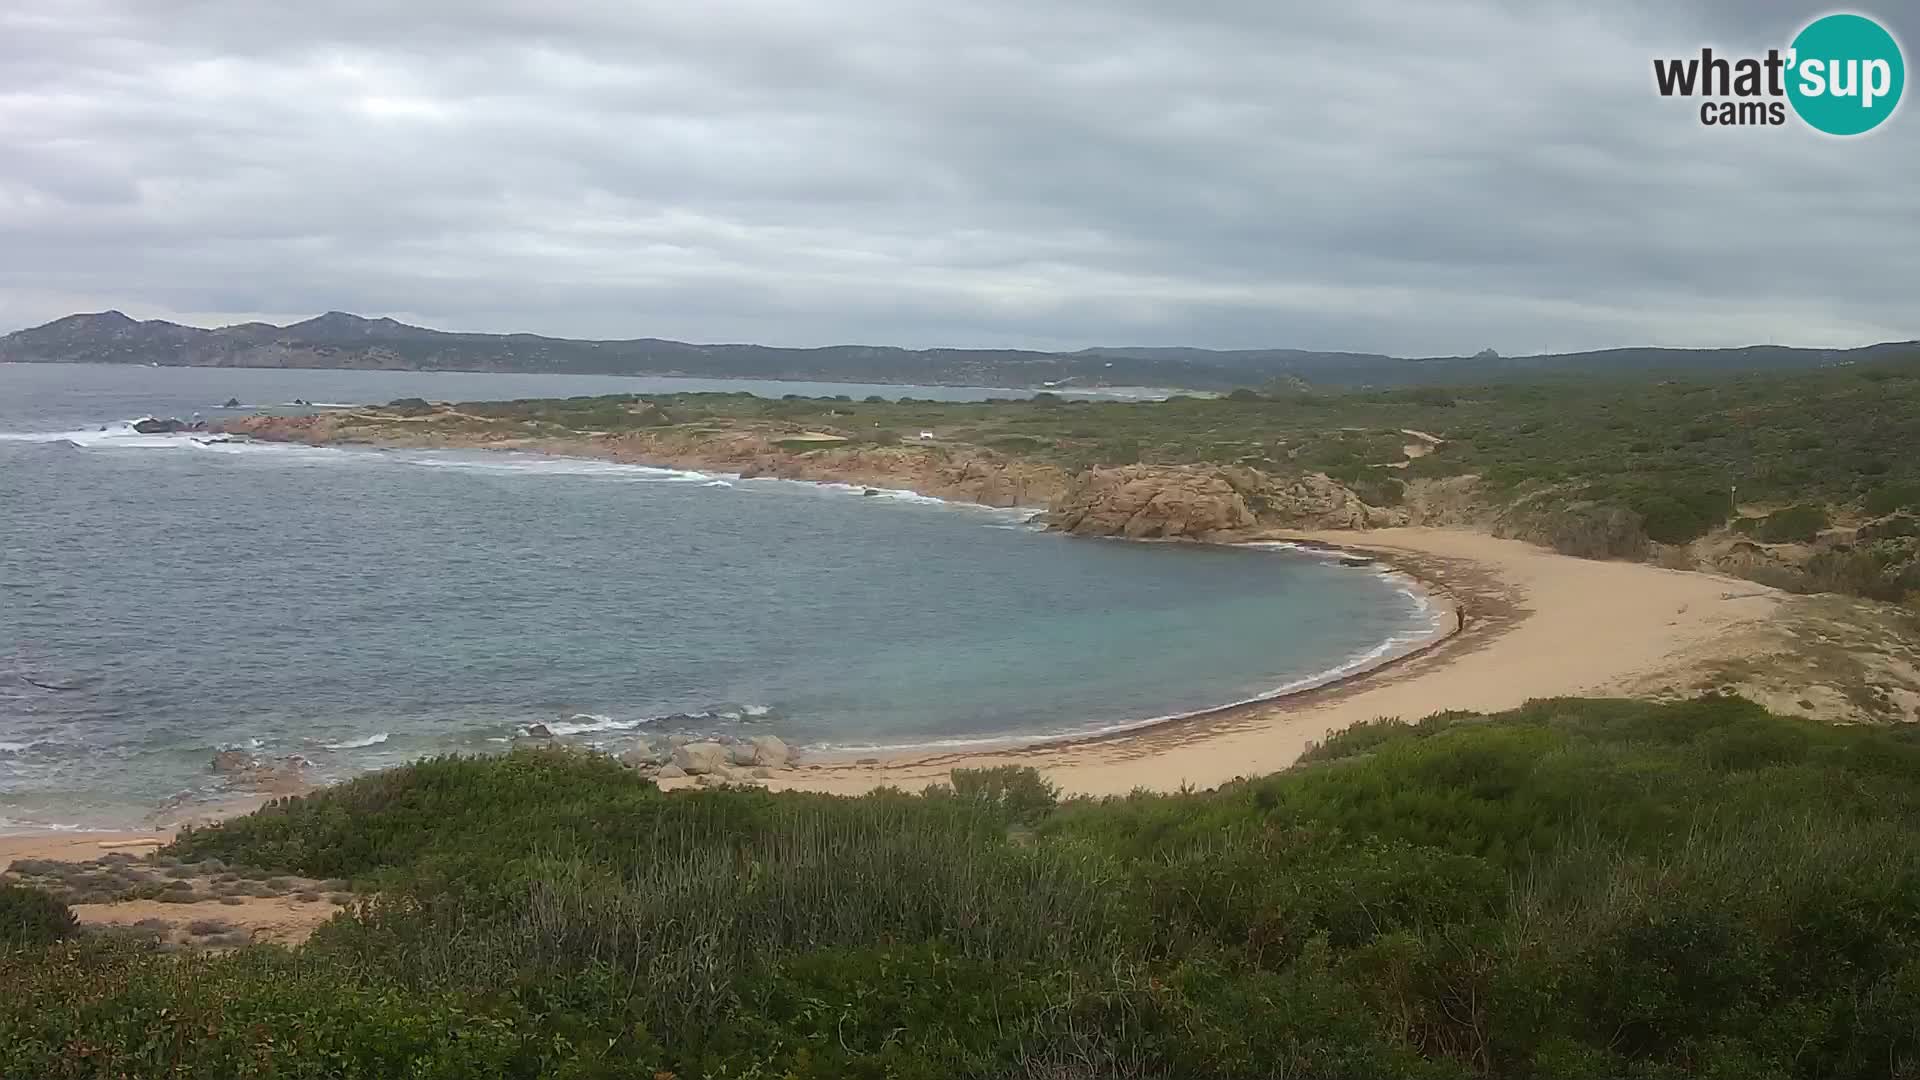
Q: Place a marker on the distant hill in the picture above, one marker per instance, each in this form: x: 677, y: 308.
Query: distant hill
x: 340, y: 340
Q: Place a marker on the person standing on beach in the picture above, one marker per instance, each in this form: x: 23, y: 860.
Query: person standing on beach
x: 1459, y: 618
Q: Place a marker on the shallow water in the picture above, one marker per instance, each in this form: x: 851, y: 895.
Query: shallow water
x: 161, y: 598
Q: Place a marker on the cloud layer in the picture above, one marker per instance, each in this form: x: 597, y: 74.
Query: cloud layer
x: 1408, y: 176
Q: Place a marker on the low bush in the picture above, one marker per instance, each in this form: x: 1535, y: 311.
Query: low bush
x: 1795, y: 524
x: 1888, y: 498
x: 30, y: 917
x: 1673, y: 516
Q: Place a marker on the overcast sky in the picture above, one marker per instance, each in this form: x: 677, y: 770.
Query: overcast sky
x: 1407, y: 176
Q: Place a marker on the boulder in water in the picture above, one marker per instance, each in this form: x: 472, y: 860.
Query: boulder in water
x: 232, y: 403
x: 283, y: 776
x: 148, y: 425
x: 539, y: 731
x: 234, y: 761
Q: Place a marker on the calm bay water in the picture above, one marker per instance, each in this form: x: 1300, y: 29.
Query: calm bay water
x: 161, y: 599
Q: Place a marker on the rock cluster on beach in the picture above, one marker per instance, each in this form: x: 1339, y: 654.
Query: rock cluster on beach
x: 717, y: 760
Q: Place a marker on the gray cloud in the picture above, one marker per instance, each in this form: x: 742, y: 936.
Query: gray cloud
x: 1412, y: 176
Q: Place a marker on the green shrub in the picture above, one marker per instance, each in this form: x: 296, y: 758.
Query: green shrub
x: 1679, y: 517
x: 1888, y: 498
x: 30, y: 917
x: 1793, y: 524
x: 1585, y: 530
x: 1017, y: 791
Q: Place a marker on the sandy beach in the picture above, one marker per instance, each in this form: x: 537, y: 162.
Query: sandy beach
x: 1538, y: 624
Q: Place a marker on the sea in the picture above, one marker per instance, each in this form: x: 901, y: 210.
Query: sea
x: 164, y: 597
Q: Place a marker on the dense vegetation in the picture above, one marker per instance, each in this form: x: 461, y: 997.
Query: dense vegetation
x: 1673, y: 450
x: 1593, y: 467
x: 1574, y: 889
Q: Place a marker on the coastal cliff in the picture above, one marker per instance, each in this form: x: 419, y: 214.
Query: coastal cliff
x: 1133, y: 501
x: 1197, y: 502
x: 959, y: 473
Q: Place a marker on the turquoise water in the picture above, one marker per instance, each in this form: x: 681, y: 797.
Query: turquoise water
x: 161, y: 599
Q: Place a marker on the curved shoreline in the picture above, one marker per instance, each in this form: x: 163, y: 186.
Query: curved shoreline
x: 1515, y: 593
x: 1429, y: 592
x: 1437, y: 601
x: 1539, y: 624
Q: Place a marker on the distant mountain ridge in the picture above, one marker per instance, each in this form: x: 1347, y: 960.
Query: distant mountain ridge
x: 338, y: 339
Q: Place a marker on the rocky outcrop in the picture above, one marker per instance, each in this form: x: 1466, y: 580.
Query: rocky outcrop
x: 703, y: 758
x: 645, y: 755
x: 280, y: 776
x: 961, y: 473
x: 770, y: 751
x: 233, y: 761
x: 1200, y: 502
x: 148, y: 425
x: 1150, y: 501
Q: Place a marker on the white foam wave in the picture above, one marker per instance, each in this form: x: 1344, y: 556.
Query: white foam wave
x: 15, y: 747
x: 11, y: 825
x: 539, y: 465
x: 596, y: 723
x: 122, y: 436
x: 1014, y: 513
x: 588, y: 723
x: 374, y: 739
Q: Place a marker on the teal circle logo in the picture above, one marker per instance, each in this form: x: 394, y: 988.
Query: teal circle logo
x: 1845, y: 74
